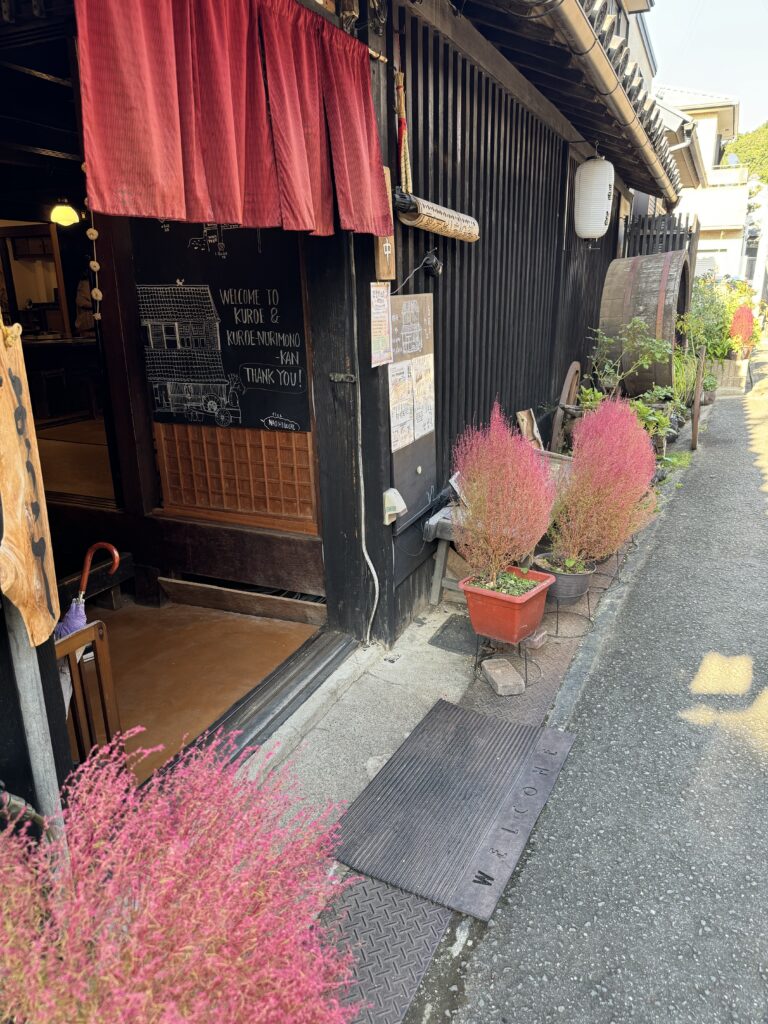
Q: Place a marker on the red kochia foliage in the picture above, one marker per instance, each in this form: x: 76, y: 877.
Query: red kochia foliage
x: 743, y: 324
x: 191, y: 900
x: 508, y: 492
x: 607, y: 498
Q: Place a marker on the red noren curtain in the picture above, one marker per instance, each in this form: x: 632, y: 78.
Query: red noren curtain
x: 243, y: 112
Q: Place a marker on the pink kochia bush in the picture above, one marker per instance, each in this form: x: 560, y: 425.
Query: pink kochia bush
x: 508, y: 494
x: 191, y: 900
x: 742, y: 327
x: 607, y: 497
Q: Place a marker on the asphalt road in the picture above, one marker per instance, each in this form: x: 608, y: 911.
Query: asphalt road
x: 644, y: 893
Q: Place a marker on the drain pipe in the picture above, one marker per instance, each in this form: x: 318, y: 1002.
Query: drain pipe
x: 571, y: 19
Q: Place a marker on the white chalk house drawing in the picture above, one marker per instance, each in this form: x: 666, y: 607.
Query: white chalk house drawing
x: 180, y: 325
x: 212, y: 239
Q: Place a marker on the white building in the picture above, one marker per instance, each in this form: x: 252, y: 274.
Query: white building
x: 734, y: 234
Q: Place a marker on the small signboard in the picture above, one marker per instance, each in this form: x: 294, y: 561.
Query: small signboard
x: 27, y: 576
x: 222, y: 324
x: 381, y: 325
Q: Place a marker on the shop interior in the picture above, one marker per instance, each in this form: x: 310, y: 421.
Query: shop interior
x: 175, y: 668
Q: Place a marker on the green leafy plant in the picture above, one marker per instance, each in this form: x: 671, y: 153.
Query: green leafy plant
x: 710, y: 382
x: 684, y: 379
x: 708, y: 322
x: 656, y: 395
x: 655, y: 422
x: 752, y: 149
x: 552, y: 563
x: 634, y: 348
x: 678, y: 460
x: 590, y: 398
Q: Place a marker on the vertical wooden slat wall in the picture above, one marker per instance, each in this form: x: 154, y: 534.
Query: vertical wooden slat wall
x: 512, y: 309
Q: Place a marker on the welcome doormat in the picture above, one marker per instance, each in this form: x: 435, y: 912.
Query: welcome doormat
x: 449, y: 815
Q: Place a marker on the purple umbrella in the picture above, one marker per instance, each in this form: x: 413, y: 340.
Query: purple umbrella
x: 74, y: 619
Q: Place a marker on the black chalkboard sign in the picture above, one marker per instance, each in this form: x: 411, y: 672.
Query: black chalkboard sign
x: 222, y: 325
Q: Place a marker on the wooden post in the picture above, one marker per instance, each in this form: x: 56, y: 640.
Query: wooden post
x: 27, y: 576
x: 34, y: 715
x: 697, y: 400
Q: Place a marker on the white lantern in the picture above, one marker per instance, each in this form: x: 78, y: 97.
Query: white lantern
x: 594, y: 198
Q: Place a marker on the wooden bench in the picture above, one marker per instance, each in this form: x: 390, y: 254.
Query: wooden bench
x: 93, y: 714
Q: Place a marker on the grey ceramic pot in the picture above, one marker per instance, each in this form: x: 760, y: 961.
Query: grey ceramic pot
x: 568, y: 586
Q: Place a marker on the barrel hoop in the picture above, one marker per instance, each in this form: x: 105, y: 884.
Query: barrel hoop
x: 663, y: 293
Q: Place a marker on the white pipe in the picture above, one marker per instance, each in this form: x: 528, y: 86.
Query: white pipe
x: 360, y: 465
x: 571, y: 19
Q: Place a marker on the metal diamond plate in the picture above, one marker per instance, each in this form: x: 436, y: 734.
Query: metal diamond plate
x: 393, y: 935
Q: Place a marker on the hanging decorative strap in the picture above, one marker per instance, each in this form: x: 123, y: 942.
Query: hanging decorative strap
x: 410, y: 209
x: 402, y: 134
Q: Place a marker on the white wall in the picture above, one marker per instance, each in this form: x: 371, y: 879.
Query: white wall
x: 724, y: 255
x: 638, y: 52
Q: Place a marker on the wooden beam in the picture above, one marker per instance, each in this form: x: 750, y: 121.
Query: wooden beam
x: 490, y: 15
x: 34, y: 73
x: 244, y: 602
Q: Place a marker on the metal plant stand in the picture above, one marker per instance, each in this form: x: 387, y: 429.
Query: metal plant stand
x: 588, y: 617
x: 522, y: 653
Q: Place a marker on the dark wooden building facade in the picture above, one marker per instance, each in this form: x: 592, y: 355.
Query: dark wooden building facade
x: 301, y: 513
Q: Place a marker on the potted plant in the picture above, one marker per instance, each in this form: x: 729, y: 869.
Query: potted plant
x: 655, y: 421
x: 507, y: 495
x: 708, y: 389
x: 606, y: 499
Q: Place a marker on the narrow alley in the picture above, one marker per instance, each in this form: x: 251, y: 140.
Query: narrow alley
x: 643, y: 893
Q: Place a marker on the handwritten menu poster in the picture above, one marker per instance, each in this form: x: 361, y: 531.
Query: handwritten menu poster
x: 411, y: 375
x: 222, y: 325
x: 381, y: 324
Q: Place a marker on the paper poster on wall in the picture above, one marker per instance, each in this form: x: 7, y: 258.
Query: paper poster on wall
x: 381, y: 324
x: 412, y: 374
x: 422, y: 371
x: 400, y: 405
x: 222, y: 325
x: 412, y: 404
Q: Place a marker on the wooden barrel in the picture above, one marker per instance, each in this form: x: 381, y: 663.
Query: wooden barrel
x: 657, y: 289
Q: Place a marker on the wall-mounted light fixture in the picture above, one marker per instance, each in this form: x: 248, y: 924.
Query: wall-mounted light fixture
x: 433, y: 267
x: 64, y: 214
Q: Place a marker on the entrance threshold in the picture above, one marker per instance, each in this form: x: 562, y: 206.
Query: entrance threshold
x: 257, y: 715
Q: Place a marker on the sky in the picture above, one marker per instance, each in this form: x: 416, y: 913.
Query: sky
x: 715, y: 47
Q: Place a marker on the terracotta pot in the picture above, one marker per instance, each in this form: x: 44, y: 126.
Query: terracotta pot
x: 503, y: 617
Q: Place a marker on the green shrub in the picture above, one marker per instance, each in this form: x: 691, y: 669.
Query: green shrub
x: 634, y: 348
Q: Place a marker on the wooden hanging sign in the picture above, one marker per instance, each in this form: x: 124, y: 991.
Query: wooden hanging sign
x: 439, y: 220
x: 384, y: 250
x: 27, y: 576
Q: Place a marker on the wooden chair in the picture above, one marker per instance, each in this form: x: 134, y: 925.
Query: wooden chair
x: 93, y: 715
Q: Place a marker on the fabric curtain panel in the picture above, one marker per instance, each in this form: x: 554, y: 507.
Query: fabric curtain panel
x: 244, y: 112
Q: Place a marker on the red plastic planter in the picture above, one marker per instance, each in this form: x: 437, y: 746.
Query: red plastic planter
x: 503, y: 617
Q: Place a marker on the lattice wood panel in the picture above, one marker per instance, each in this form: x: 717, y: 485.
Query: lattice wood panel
x: 259, y: 477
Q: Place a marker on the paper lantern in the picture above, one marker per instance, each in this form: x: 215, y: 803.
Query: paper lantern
x: 594, y: 198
